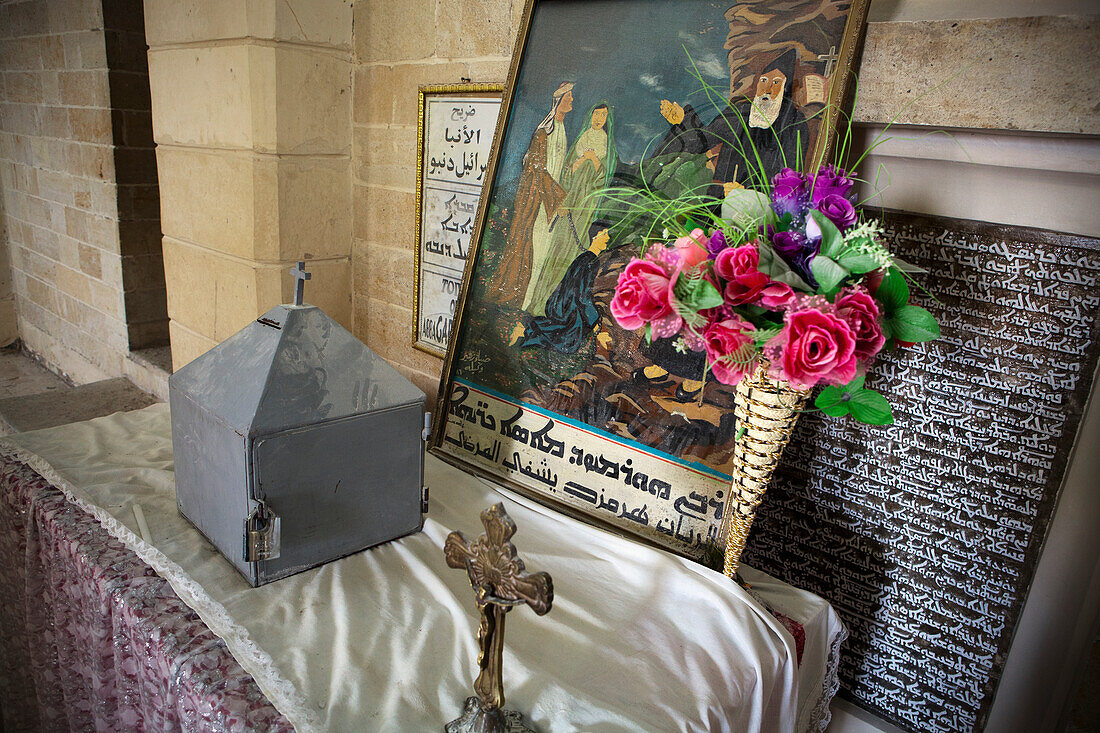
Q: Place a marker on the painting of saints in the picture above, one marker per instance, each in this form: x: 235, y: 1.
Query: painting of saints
x: 699, y: 102
x: 570, y: 313
x: 749, y: 141
x: 537, y: 200
x: 588, y: 167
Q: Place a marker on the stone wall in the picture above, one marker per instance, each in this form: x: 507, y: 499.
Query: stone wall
x: 135, y: 175
x: 252, y: 120
x: 57, y: 170
x: 400, y: 46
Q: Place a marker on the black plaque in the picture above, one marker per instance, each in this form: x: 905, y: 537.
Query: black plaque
x: 925, y: 534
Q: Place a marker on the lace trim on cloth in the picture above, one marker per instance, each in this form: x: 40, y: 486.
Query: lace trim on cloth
x: 822, y: 714
x: 257, y: 662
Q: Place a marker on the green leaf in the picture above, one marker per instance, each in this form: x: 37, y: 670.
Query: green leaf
x: 832, y: 241
x: 762, y: 336
x: 858, y: 263
x: 754, y: 311
x: 856, y: 384
x: 832, y: 402
x: 697, y: 294
x: 705, y: 295
x: 893, y: 292
x: 870, y: 407
x: 828, y: 273
x: 776, y: 267
x: 649, y: 333
x: 913, y: 323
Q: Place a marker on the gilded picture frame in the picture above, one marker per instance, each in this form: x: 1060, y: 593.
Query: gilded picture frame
x: 454, y: 135
x: 542, y: 392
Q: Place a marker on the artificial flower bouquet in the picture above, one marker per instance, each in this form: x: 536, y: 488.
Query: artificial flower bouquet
x: 798, y: 293
x: 807, y: 292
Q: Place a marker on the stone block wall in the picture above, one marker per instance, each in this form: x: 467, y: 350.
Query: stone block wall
x: 400, y: 46
x: 135, y: 175
x: 252, y: 121
x: 57, y: 172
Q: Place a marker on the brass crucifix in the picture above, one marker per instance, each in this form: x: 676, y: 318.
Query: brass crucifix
x: 500, y: 582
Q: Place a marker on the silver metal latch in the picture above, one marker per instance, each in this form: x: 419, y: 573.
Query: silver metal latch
x: 261, y: 534
x: 423, y: 499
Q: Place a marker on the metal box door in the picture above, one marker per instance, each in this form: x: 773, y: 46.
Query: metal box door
x: 340, y: 486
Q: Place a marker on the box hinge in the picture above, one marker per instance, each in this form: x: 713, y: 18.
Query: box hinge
x: 423, y: 499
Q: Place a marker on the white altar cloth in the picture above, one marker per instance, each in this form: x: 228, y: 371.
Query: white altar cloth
x: 384, y: 640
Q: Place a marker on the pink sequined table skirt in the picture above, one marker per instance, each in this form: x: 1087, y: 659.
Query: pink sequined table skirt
x: 92, y: 639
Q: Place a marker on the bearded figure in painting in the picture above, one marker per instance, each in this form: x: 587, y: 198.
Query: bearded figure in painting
x: 749, y: 141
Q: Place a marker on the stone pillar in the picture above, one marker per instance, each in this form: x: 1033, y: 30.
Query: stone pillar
x: 252, y: 120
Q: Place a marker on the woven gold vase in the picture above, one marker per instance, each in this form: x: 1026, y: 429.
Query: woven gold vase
x: 767, y: 411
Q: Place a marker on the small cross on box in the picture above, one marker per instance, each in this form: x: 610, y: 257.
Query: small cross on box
x: 300, y: 276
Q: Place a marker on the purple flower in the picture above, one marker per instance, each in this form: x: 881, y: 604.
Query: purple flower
x: 839, y: 210
x: 716, y: 244
x: 831, y: 181
x: 798, y: 252
x: 790, y: 194
x: 789, y: 178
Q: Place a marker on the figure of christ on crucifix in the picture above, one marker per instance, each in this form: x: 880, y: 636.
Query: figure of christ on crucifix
x: 500, y: 582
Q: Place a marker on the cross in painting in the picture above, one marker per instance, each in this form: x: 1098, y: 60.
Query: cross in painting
x: 500, y: 583
x: 829, y: 59
x: 300, y: 276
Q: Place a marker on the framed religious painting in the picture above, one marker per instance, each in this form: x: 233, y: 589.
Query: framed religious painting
x: 454, y: 137
x: 542, y: 390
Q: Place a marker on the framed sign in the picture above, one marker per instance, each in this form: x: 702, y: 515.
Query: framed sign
x: 454, y: 137
x: 541, y: 390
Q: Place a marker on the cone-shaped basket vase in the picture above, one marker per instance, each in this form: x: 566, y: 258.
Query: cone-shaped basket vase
x: 767, y: 411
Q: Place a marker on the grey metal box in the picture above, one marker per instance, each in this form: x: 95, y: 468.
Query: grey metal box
x: 295, y: 427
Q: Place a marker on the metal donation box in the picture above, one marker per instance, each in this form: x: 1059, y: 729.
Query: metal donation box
x: 296, y: 445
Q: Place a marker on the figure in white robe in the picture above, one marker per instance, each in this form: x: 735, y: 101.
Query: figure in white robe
x: 588, y: 168
x: 556, y: 146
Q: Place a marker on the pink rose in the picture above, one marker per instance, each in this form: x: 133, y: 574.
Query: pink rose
x: 738, y: 267
x: 729, y: 349
x: 776, y: 295
x: 641, y: 295
x: 814, y: 347
x: 692, y: 248
x: 859, y: 309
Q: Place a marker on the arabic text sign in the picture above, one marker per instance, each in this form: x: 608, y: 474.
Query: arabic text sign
x: 457, y: 136
x: 642, y: 492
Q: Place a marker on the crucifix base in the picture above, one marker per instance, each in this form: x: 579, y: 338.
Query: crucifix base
x: 477, y: 719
